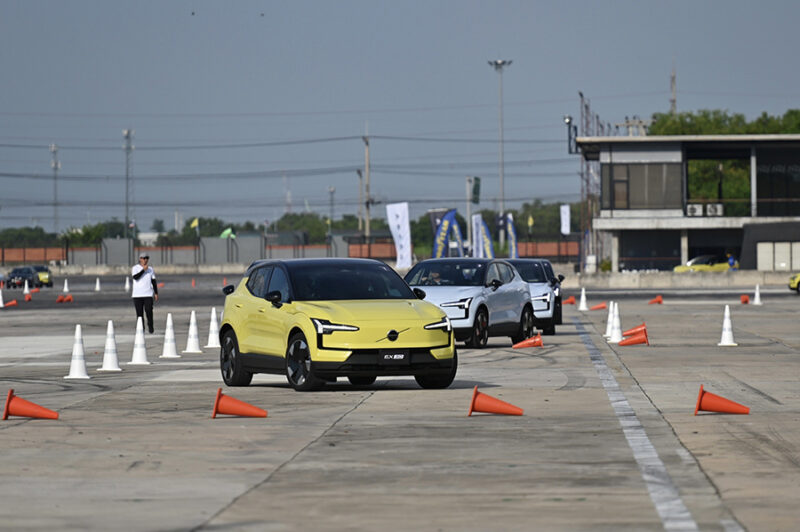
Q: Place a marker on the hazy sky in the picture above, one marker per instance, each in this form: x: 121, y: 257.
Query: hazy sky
x: 193, y: 77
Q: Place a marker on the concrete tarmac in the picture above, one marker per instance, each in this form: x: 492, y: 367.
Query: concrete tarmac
x: 608, y: 440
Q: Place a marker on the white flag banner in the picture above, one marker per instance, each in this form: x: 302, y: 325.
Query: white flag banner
x: 565, y: 219
x: 397, y: 214
x: 477, y: 235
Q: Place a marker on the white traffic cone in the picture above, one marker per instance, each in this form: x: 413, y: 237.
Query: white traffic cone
x: 127, y: 284
x: 193, y: 342
x: 110, y: 359
x: 77, y: 367
x: 616, y: 329
x: 27, y: 289
x: 582, y: 306
x: 757, y: 299
x: 66, y: 287
x: 170, y: 350
x: 97, y: 284
x: 139, y: 357
x: 609, y: 320
x: 727, y: 330
x: 1, y: 299
x: 213, y: 330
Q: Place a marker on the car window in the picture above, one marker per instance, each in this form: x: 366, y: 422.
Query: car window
x: 548, y: 268
x: 493, y: 274
x: 342, y: 281
x: 257, y: 283
x: 279, y: 283
x: 506, y: 273
x: 532, y: 272
x: 447, y: 273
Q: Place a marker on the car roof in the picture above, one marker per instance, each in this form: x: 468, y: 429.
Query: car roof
x: 476, y: 260
x: 309, y: 262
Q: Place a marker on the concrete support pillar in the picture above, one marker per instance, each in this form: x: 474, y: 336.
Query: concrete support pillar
x: 753, y: 183
x: 614, y: 251
x: 684, y: 246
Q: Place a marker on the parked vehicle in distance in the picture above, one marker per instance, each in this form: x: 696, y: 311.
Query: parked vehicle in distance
x: 44, y: 275
x: 707, y: 263
x: 318, y: 319
x: 542, y: 292
x: 18, y: 276
x: 794, y: 282
x: 482, y: 297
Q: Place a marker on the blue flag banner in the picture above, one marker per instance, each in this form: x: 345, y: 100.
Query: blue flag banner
x: 513, y: 251
x: 486, y: 239
x: 441, y: 239
x: 457, y: 235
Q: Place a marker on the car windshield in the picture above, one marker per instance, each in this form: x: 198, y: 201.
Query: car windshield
x: 703, y: 259
x: 447, y: 273
x: 532, y: 272
x: 342, y: 281
x: 40, y: 268
x: 18, y: 271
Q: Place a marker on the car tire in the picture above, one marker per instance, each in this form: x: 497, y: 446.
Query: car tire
x: 549, y: 329
x: 299, y: 372
x: 230, y: 364
x: 361, y: 380
x: 525, y: 326
x: 480, y: 330
x: 438, y: 382
x: 557, y: 315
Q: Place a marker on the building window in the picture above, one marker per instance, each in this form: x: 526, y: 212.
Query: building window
x: 641, y: 186
x: 778, y: 184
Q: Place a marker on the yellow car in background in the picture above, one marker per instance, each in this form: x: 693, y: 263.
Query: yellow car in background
x: 318, y: 319
x: 45, y: 277
x: 707, y: 263
x: 794, y: 282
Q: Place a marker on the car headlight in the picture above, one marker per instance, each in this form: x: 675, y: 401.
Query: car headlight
x: 461, y: 303
x: 443, y: 324
x: 557, y: 291
x: 326, y: 327
x: 543, y: 297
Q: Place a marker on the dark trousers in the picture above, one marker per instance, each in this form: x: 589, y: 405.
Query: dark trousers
x: 144, y: 304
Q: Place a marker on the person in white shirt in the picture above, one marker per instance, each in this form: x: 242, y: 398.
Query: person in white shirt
x: 145, y: 289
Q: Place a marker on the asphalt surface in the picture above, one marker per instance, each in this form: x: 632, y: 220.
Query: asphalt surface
x: 608, y: 440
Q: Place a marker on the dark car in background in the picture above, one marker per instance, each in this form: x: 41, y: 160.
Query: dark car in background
x: 18, y: 276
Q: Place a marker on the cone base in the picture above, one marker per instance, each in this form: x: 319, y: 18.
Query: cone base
x: 77, y: 377
x: 192, y: 352
x: 727, y: 344
x: 109, y: 369
x: 170, y: 356
x: 138, y: 363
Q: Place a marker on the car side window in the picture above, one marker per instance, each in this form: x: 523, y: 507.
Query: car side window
x: 279, y: 283
x: 492, y: 274
x: 506, y: 273
x: 548, y: 268
x: 257, y: 284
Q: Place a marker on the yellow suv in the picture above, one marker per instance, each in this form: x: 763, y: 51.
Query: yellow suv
x: 318, y: 319
x: 794, y: 282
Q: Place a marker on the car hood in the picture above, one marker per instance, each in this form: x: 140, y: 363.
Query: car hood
x: 447, y: 294
x: 359, y: 311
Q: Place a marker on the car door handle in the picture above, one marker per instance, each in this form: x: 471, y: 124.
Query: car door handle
x: 262, y: 309
x: 238, y: 305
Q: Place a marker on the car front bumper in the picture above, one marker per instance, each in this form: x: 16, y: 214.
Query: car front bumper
x: 376, y: 362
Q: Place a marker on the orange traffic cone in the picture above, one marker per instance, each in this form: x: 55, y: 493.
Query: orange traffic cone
x: 638, y: 338
x: 709, y: 402
x: 486, y: 403
x: 234, y: 407
x: 599, y: 306
x: 745, y: 299
x: 19, y: 407
x: 569, y: 301
x: 12, y: 303
x: 35, y: 290
x: 193, y: 283
x: 533, y: 341
x: 161, y: 285
x: 224, y: 281
x: 28, y: 298
x: 68, y: 298
x: 60, y: 298
x: 656, y: 300
x: 634, y: 330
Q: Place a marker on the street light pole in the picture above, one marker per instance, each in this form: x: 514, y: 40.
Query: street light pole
x: 498, y: 65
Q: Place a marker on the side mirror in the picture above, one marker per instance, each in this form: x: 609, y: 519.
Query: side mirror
x: 419, y: 292
x: 560, y: 278
x: 228, y: 289
x: 496, y: 283
x: 274, y: 297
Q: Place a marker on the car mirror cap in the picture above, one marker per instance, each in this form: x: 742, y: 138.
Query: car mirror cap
x: 274, y: 297
x: 228, y: 289
x: 560, y: 278
x: 419, y: 292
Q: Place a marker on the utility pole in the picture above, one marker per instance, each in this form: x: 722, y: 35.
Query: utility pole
x: 331, y: 191
x: 360, y: 200
x: 673, y: 85
x: 469, y: 213
x: 498, y: 65
x: 56, y: 165
x: 128, y: 135
x: 368, y: 200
